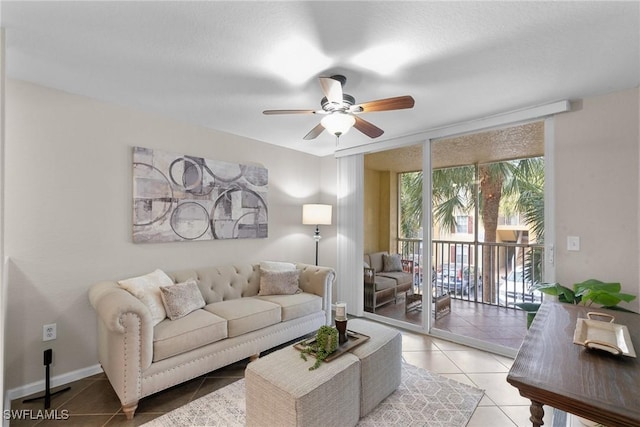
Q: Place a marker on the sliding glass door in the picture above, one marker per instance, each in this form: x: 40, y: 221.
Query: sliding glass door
x: 484, y: 245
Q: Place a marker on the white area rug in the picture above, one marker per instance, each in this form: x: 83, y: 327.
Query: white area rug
x: 422, y: 399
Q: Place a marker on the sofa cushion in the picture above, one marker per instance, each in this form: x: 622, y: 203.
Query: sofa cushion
x: 391, y: 262
x: 147, y: 289
x: 294, y: 306
x: 246, y: 314
x: 181, y: 299
x: 384, y: 283
x: 375, y: 261
x: 279, y: 282
x: 198, y: 328
x: 401, y: 277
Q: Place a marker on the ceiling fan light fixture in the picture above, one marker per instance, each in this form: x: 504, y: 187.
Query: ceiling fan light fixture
x: 338, y: 123
x: 339, y: 110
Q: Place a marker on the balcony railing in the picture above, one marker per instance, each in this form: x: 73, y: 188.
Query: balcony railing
x: 487, y: 273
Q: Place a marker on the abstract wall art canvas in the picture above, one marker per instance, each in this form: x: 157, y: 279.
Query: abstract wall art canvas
x: 178, y: 197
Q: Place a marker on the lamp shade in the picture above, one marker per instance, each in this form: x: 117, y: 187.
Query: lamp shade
x: 316, y: 214
x: 338, y: 123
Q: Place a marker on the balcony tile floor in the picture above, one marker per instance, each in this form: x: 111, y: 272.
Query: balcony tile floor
x: 92, y: 402
x: 498, y: 325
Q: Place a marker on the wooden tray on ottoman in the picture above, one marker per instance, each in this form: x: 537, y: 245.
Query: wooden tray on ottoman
x: 355, y: 339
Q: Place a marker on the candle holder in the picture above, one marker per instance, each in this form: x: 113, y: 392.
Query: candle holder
x: 341, y: 326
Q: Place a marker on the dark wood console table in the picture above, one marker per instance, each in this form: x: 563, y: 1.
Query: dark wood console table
x: 551, y: 370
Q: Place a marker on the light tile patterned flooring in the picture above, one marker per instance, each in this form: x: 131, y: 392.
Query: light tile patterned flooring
x: 92, y: 402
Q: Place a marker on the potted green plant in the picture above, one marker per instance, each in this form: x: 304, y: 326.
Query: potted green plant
x: 325, y: 343
x: 592, y: 291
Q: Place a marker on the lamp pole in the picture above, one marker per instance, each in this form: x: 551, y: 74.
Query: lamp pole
x: 316, y: 214
x: 317, y: 238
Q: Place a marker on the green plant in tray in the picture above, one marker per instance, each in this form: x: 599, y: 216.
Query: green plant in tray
x: 591, y: 291
x: 325, y: 343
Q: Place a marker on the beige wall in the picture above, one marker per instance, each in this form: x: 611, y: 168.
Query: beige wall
x: 384, y: 212
x: 392, y: 219
x: 597, y: 192
x: 68, y: 215
x: 379, y: 213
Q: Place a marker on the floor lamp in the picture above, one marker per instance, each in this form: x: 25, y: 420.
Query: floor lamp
x: 315, y: 214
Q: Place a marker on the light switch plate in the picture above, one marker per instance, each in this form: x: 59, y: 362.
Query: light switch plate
x: 573, y: 243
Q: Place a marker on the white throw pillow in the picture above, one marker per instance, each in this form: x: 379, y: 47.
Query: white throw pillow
x: 147, y: 289
x: 277, y: 266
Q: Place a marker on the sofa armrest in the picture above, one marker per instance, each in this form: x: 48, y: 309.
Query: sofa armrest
x: 111, y: 301
x: 123, y: 319
x: 319, y: 281
x: 369, y: 276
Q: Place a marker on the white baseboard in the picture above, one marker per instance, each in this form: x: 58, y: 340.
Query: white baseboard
x: 58, y: 380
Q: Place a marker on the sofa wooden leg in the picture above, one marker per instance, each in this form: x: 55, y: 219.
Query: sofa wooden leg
x: 254, y: 357
x: 129, y: 410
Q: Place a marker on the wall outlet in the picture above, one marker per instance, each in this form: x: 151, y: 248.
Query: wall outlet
x: 49, y: 332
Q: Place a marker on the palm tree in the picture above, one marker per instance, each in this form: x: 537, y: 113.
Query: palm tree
x: 454, y: 191
x: 411, y: 204
x: 530, y: 202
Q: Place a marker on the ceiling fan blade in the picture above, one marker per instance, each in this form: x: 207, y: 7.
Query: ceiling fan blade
x: 332, y: 89
x: 368, y: 128
x: 313, y: 133
x: 396, y: 103
x: 288, y: 112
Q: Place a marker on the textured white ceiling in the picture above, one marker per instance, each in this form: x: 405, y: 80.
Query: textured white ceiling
x: 220, y: 64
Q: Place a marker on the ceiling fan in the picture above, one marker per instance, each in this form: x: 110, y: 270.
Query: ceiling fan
x: 341, y: 111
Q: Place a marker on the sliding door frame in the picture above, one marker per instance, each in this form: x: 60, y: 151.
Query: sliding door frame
x: 350, y: 247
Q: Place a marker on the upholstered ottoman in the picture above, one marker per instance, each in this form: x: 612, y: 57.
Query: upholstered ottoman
x: 380, y: 362
x: 281, y: 391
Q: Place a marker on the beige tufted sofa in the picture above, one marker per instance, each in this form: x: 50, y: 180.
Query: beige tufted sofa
x: 141, y: 359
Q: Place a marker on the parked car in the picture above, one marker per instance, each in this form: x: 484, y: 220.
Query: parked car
x: 515, y: 288
x: 457, y: 278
